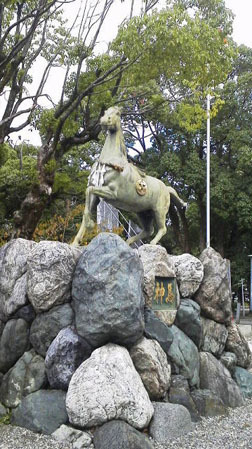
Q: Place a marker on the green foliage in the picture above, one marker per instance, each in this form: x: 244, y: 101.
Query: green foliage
x: 6, y: 419
x: 14, y: 182
x: 46, y: 122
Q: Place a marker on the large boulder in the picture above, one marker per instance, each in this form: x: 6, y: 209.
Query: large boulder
x: 169, y: 421
x: 189, y: 273
x: 208, y: 403
x: 238, y: 344
x: 184, y: 357
x: 156, y: 329
x: 65, y: 354
x: 13, y: 343
x: 27, y: 313
x: 47, y: 325
x: 106, y: 387
x: 13, y: 267
x: 2, y: 324
x: 216, y: 378
x: 26, y: 376
x: 107, y: 294
x: 50, y: 268
x: 189, y: 321
x: 151, y: 363
x: 156, y: 262
x: 244, y: 379
x: 229, y: 360
x: 214, y: 337
x: 214, y: 295
x: 179, y: 393
x: 43, y: 411
x: 120, y: 435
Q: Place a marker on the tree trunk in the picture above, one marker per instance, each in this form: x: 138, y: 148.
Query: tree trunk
x: 175, y: 226
x: 186, y: 242
x: 27, y: 218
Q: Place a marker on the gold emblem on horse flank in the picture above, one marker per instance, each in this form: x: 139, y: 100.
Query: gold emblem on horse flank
x: 141, y: 187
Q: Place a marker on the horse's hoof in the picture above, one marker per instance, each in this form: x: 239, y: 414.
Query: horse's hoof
x: 75, y: 244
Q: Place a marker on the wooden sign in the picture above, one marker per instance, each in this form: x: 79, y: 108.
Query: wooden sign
x: 165, y: 294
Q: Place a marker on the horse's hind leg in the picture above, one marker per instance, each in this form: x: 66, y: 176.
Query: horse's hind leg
x: 160, y: 219
x: 146, y: 222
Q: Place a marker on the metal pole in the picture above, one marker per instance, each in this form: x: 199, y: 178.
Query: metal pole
x: 243, y: 303
x: 208, y: 175
x: 250, y: 303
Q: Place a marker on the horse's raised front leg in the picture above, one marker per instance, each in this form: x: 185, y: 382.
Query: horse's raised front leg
x: 87, y: 223
x: 105, y: 192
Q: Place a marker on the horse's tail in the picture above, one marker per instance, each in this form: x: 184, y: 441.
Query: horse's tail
x: 176, y: 199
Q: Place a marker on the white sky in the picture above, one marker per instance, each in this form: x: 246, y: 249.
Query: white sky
x: 242, y: 28
x: 242, y: 34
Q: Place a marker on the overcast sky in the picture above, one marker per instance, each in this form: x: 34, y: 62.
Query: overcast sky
x: 242, y: 35
x: 242, y: 22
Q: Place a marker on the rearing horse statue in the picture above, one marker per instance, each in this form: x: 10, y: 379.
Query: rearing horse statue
x: 125, y: 187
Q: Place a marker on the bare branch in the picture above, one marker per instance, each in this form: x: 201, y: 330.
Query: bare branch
x: 149, y: 5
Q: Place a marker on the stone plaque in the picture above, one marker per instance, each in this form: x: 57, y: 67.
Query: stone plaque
x: 165, y: 294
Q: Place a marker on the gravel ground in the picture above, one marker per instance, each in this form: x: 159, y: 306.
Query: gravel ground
x: 232, y: 432
x: 12, y: 437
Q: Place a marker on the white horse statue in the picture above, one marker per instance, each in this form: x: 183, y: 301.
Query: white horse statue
x: 125, y: 187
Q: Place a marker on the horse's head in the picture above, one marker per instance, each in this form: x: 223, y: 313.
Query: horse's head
x: 111, y: 119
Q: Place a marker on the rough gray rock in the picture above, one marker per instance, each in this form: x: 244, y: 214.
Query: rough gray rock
x: 13, y: 343
x: 106, y: 387
x: 2, y: 324
x: 244, y: 379
x: 214, y: 295
x: 169, y: 421
x: 18, y: 297
x: 47, y: 325
x: 216, y: 378
x: 74, y: 437
x: 229, y: 360
x: 27, y: 313
x: 238, y: 344
x: 189, y: 321
x: 26, y: 376
x: 107, y: 294
x: 214, y: 337
x: 184, y: 356
x: 151, y: 364
x: 13, y: 266
x: 179, y: 393
x: 189, y: 273
x: 50, y: 268
x: 43, y: 411
x: 120, y: 435
x: 156, y: 262
x: 155, y: 329
x: 65, y: 354
x: 3, y: 411
x: 208, y: 403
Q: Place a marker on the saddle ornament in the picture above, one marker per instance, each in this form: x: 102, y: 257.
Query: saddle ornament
x: 141, y: 187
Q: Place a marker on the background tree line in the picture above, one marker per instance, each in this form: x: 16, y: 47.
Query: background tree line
x: 159, y: 68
